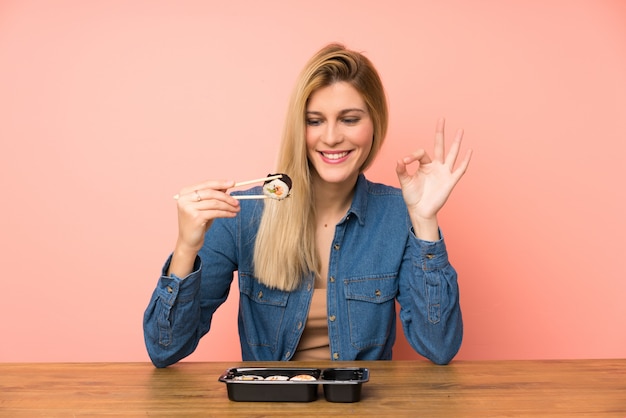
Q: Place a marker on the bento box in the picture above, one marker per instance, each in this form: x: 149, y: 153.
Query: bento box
x: 290, y: 384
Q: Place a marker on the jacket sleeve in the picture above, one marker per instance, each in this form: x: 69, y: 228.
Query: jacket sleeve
x: 181, y: 309
x: 428, y: 295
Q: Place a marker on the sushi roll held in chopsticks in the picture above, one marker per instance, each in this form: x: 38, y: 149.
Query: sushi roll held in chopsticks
x: 278, y: 188
x: 275, y: 186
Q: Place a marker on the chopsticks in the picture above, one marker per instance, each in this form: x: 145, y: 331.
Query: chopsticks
x: 250, y: 196
x: 255, y: 196
x: 245, y: 183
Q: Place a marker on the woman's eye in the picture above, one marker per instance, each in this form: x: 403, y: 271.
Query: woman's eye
x: 351, y: 121
x: 313, y: 122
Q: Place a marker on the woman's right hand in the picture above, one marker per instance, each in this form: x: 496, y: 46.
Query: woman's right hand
x: 198, y: 206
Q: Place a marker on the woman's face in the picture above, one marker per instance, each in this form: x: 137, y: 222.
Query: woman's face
x: 339, y: 132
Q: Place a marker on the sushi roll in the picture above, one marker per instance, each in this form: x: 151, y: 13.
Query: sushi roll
x: 277, y: 377
x: 248, y: 377
x: 278, y: 188
x: 303, y: 378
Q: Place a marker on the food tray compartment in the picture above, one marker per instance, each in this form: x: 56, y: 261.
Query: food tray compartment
x: 343, y: 384
x: 249, y: 384
x: 270, y: 390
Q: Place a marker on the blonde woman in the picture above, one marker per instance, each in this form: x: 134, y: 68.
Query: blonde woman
x: 319, y: 272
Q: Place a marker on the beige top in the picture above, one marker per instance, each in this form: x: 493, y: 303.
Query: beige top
x: 314, y: 343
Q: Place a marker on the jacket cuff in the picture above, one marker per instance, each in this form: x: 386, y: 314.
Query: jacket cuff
x: 171, y: 288
x: 433, y: 254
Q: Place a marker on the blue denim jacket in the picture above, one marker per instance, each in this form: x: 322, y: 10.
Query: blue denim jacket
x: 375, y: 260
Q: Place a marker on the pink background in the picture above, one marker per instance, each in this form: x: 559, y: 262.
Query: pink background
x: 107, y: 108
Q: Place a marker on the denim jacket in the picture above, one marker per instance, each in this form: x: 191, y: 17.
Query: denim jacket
x: 375, y: 260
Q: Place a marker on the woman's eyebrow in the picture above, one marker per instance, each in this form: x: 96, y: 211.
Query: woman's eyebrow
x: 342, y: 112
x: 354, y: 109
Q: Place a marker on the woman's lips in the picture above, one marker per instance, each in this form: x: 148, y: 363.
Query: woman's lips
x: 334, y: 157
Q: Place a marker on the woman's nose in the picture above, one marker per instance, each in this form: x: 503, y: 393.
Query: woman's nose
x: 332, y: 135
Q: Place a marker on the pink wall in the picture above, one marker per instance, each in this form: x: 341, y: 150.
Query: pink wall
x: 107, y: 108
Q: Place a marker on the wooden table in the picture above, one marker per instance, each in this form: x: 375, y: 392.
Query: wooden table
x: 594, y: 388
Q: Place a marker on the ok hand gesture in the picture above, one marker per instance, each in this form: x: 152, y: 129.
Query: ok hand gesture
x: 428, y: 188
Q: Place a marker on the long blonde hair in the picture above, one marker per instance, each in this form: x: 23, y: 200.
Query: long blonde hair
x: 285, y: 247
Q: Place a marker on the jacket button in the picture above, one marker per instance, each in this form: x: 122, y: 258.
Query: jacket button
x: 335, y: 356
x: 332, y: 318
x: 377, y: 292
x: 260, y: 295
x: 336, y: 246
x: 299, y: 324
x: 332, y: 279
x: 430, y: 256
x: 169, y: 289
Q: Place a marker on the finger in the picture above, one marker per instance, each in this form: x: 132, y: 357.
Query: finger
x: 206, y: 199
x: 194, y: 196
x: 222, y: 185
x: 453, y: 153
x: 217, y: 200
x: 439, y: 151
x: 205, y: 191
x: 420, y: 155
x: 203, y: 212
x: 216, y: 184
x: 462, y: 168
x: 401, y: 170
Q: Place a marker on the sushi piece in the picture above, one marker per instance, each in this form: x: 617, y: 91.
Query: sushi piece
x: 247, y: 377
x: 277, y: 377
x: 303, y: 378
x: 277, y: 188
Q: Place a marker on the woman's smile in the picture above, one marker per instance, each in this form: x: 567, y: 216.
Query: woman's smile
x: 334, y: 157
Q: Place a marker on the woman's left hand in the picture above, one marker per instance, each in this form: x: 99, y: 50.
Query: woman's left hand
x: 428, y: 188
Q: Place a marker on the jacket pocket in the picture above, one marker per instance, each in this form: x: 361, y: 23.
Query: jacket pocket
x: 371, y: 309
x: 262, y: 311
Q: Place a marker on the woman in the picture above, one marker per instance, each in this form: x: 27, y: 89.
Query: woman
x: 319, y: 272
